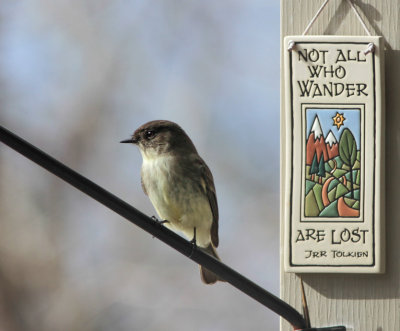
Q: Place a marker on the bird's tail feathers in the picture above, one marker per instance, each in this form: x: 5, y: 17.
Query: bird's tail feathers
x: 207, y: 276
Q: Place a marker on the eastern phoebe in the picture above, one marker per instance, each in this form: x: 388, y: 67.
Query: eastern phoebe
x: 179, y: 184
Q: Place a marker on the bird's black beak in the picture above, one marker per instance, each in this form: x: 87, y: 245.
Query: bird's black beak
x: 129, y: 141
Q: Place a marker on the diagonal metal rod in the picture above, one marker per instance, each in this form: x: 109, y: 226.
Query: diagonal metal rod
x: 157, y: 230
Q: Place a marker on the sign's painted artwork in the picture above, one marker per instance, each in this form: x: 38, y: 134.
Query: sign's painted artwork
x: 332, y: 166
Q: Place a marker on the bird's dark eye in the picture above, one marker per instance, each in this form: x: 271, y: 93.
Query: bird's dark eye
x: 150, y: 134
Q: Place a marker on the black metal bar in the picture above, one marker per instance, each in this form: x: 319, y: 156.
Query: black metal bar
x: 330, y: 328
x: 154, y: 228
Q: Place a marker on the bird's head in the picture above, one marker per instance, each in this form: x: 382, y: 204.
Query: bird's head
x: 157, y: 137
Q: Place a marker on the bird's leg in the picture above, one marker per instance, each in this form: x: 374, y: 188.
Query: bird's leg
x: 155, y: 219
x: 193, y: 242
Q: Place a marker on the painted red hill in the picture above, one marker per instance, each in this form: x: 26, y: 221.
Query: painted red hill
x: 316, y: 146
x: 333, y: 151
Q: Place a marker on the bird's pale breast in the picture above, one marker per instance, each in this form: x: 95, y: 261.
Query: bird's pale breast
x: 177, y: 196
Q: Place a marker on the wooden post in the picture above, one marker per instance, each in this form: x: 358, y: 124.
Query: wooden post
x: 360, y: 302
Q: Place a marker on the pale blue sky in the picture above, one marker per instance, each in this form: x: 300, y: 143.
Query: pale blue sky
x: 352, y: 121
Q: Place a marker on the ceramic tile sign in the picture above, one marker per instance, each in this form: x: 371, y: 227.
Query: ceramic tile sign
x: 333, y: 179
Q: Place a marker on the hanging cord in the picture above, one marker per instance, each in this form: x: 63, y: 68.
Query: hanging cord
x: 315, y: 17
x: 359, y: 17
x: 370, y: 48
x: 350, y: 2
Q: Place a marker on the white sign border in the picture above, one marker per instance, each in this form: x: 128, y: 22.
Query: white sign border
x: 378, y: 264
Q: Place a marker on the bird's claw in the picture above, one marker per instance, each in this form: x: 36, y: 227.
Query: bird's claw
x: 155, y: 219
x: 193, y: 242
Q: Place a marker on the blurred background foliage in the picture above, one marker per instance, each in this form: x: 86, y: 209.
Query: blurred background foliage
x: 76, y: 77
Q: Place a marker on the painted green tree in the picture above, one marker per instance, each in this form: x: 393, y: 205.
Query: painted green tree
x: 314, y: 167
x: 348, y: 153
x: 321, y: 168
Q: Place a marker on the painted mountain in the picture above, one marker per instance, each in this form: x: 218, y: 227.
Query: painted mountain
x: 331, y: 145
x: 332, y: 173
x: 316, y: 143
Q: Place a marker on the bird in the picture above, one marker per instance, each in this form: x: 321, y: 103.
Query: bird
x: 179, y: 185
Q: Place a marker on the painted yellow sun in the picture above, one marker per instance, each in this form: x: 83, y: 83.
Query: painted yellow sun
x: 338, y: 120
